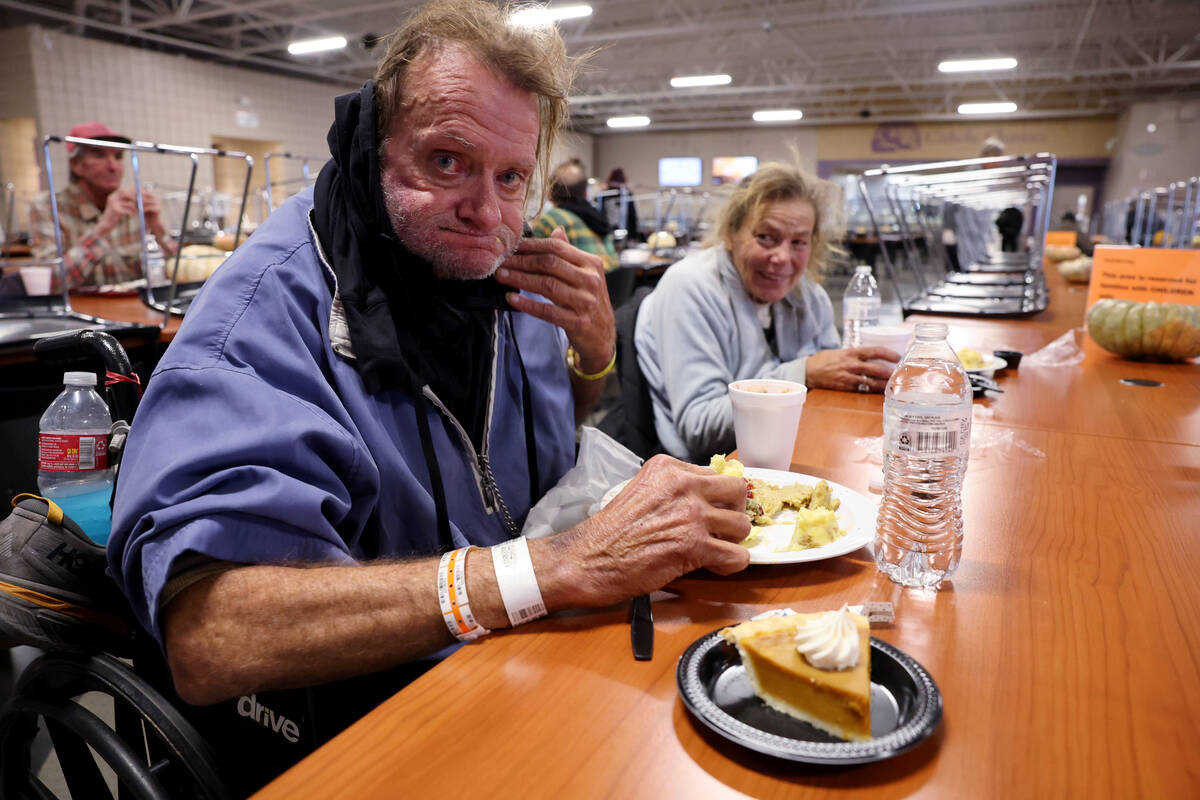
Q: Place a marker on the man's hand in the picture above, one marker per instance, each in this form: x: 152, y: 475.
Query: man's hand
x: 573, y: 282
x: 671, y: 519
x: 120, y: 204
x: 123, y: 203
x: 153, y: 211
x: 849, y: 369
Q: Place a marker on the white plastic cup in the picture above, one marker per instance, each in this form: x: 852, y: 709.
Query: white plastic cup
x: 36, y: 280
x: 766, y: 416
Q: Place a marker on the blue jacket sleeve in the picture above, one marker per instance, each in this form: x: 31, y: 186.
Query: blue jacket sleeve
x: 223, y: 464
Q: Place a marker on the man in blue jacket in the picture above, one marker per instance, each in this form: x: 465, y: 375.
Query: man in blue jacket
x: 385, y: 372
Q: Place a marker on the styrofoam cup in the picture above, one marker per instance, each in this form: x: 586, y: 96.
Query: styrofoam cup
x: 766, y: 416
x: 36, y: 280
x: 894, y: 336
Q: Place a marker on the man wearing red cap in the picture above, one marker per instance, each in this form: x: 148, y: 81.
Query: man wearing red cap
x: 101, y: 237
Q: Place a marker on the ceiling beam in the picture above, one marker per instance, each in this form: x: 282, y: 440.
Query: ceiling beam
x: 182, y: 44
x: 223, y: 10
x: 804, y: 89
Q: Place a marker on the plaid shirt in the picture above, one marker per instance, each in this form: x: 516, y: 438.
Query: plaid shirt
x: 90, y: 260
x: 578, y: 234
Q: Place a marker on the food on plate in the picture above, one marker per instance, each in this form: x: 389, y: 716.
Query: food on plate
x: 1077, y: 270
x: 815, y: 527
x: 814, y: 667
x: 1153, y: 331
x: 1061, y: 252
x: 224, y: 241
x: 971, y: 359
x: 197, y: 262
x: 764, y: 500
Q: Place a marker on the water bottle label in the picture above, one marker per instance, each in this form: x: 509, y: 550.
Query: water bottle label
x: 925, y: 430
x: 864, y: 309
x: 72, y: 452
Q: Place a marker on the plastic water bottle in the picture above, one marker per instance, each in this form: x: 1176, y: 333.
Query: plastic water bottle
x: 73, y: 466
x: 156, y: 263
x: 860, y: 306
x: 926, y: 441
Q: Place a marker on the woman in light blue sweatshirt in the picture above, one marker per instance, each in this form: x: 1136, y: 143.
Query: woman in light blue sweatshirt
x: 749, y: 307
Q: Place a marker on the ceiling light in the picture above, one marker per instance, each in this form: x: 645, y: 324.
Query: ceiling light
x: 778, y: 115
x: 538, y: 17
x: 987, y: 108
x: 316, y: 45
x: 628, y: 122
x: 977, y: 64
x: 684, y: 81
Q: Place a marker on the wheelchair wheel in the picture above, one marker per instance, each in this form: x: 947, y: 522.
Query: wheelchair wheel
x: 152, y: 752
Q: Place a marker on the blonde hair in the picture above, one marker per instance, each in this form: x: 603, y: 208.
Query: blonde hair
x: 532, y: 59
x: 775, y: 182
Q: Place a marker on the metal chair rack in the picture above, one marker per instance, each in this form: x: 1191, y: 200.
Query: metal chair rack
x: 172, y: 300
x: 305, y: 174
x: 1136, y: 219
x: 966, y: 273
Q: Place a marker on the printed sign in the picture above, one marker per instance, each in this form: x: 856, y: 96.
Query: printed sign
x: 1145, y: 274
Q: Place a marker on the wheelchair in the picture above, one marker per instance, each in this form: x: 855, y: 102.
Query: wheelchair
x: 149, y: 750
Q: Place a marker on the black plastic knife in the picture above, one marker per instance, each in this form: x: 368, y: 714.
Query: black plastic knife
x: 641, y: 628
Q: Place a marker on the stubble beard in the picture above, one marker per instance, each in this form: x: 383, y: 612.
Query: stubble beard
x: 420, y: 239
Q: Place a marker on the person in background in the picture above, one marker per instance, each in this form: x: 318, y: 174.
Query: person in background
x: 750, y: 306
x: 1083, y: 241
x: 101, y: 237
x: 384, y: 373
x: 584, y: 226
x: 1010, y: 220
x: 622, y: 200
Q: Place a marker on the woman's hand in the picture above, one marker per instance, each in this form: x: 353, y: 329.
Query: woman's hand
x: 853, y: 369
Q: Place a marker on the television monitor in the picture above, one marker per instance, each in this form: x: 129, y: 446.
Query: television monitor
x: 680, y: 171
x: 731, y: 169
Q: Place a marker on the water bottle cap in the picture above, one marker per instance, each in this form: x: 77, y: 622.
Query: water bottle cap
x: 863, y: 268
x: 79, y: 378
x: 931, y: 330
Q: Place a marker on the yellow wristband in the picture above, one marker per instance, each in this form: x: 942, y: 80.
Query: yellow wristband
x: 573, y: 363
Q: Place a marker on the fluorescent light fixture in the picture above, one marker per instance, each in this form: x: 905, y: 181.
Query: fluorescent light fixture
x: 684, y: 81
x: 987, y: 108
x: 628, y: 122
x: 538, y: 17
x: 778, y: 115
x: 977, y: 64
x: 317, y: 45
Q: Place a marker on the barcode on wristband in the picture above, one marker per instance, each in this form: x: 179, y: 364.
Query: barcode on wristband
x: 523, y: 615
x: 516, y: 581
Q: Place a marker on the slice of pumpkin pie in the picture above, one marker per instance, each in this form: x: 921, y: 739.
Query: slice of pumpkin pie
x: 814, y: 667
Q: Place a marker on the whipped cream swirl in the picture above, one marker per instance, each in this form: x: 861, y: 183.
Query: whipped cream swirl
x: 829, y: 641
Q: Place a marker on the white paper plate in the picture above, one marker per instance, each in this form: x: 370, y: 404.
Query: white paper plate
x: 856, y: 516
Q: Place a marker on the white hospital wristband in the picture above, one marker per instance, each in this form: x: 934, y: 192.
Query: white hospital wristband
x: 516, y: 581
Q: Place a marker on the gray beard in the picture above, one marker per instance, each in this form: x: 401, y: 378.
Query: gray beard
x: 446, y: 266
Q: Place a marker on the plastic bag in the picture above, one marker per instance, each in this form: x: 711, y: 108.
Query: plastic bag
x: 1062, y: 352
x: 602, y: 463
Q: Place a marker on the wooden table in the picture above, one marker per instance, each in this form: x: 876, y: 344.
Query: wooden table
x: 1066, y: 647
x: 125, y: 309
